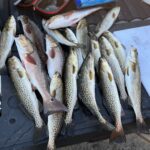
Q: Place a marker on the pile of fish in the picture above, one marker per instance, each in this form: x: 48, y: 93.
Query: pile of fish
x: 72, y: 73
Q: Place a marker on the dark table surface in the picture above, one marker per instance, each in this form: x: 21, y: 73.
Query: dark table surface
x: 16, y: 129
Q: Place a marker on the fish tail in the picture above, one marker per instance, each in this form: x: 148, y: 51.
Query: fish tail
x: 142, y: 127
x: 117, y: 136
x: 68, y: 119
x: 38, y: 133
x: 106, y: 125
x: 53, y: 106
x: 51, y: 145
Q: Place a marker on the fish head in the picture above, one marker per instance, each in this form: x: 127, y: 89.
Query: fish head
x: 14, y: 62
x: 105, y: 46
x: 94, y: 44
x: 24, y: 45
x: 56, y: 83
x: 106, y: 34
x: 53, y: 22
x: 89, y: 61
x: 82, y: 24
x: 50, y: 42
x: 73, y: 60
x: 28, y: 30
x: 115, y: 12
x: 133, y: 55
x: 10, y: 24
x: 103, y: 65
x: 24, y: 19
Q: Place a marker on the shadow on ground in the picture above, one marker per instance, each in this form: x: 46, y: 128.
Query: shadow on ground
x: 134, y: 142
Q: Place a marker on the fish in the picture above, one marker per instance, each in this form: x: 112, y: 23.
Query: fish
x: 69, y: 18
x: 108, y: 21
x: 82, y: 36
x: 36, y: 73
x: 95, y: 52
x: 111, y: 100
x: 146, y: 1
x: 133, y: 84
x: 26, y: 95
x: 34, y: 34
x: 56, y: 35
x: 55, y: 54
x: 108, y: 53
x: 7, y: 40
x: 118, y: 49
x: 70, y: 84
x: 55, y: 121
x: 86, y: 90
x: 70, y: 35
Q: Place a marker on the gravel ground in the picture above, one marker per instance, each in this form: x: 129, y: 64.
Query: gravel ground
x: 134, y: 142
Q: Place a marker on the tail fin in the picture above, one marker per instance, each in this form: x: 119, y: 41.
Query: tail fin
x: 38, y: 133
x: 142, y: 127
x: 108, y: 126
x: 117, y: 136
x: 51, y: 145
x: 53, y: 106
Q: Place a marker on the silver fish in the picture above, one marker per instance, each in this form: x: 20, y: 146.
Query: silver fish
x: 70, y: 35
x: 55, y: 34
x: 133, y: 84
x: 108, y: 21
x: 111, y: 100
x: 118, y: 49
x: 7, y: 40
x: 25, y: 92
x: 55, y: 120
x: 36, y: 73
x: 32, y: 32
x: 82, y: 36
x: 108, y: 53
x: 70, y: 18
x: 55, y: 54
x: 70, y: 84
x: 86, y: 90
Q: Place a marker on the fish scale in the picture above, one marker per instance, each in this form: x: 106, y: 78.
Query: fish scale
x: 37, y: 74
x: 55, y: 120
x: 86, y: 90
x: 133, y: 84
x: 108, y: 21
x: 7, y: 40
x: 25, y: 92
x: 111, y: 99
x: 70, y: 84
x: 108, y: 53
x: 118, y: 49
x: 70, y: 18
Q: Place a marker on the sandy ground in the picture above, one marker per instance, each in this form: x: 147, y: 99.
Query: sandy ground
x: 134, y: 142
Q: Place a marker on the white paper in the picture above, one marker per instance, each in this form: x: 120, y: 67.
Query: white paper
x: 139, y: 38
